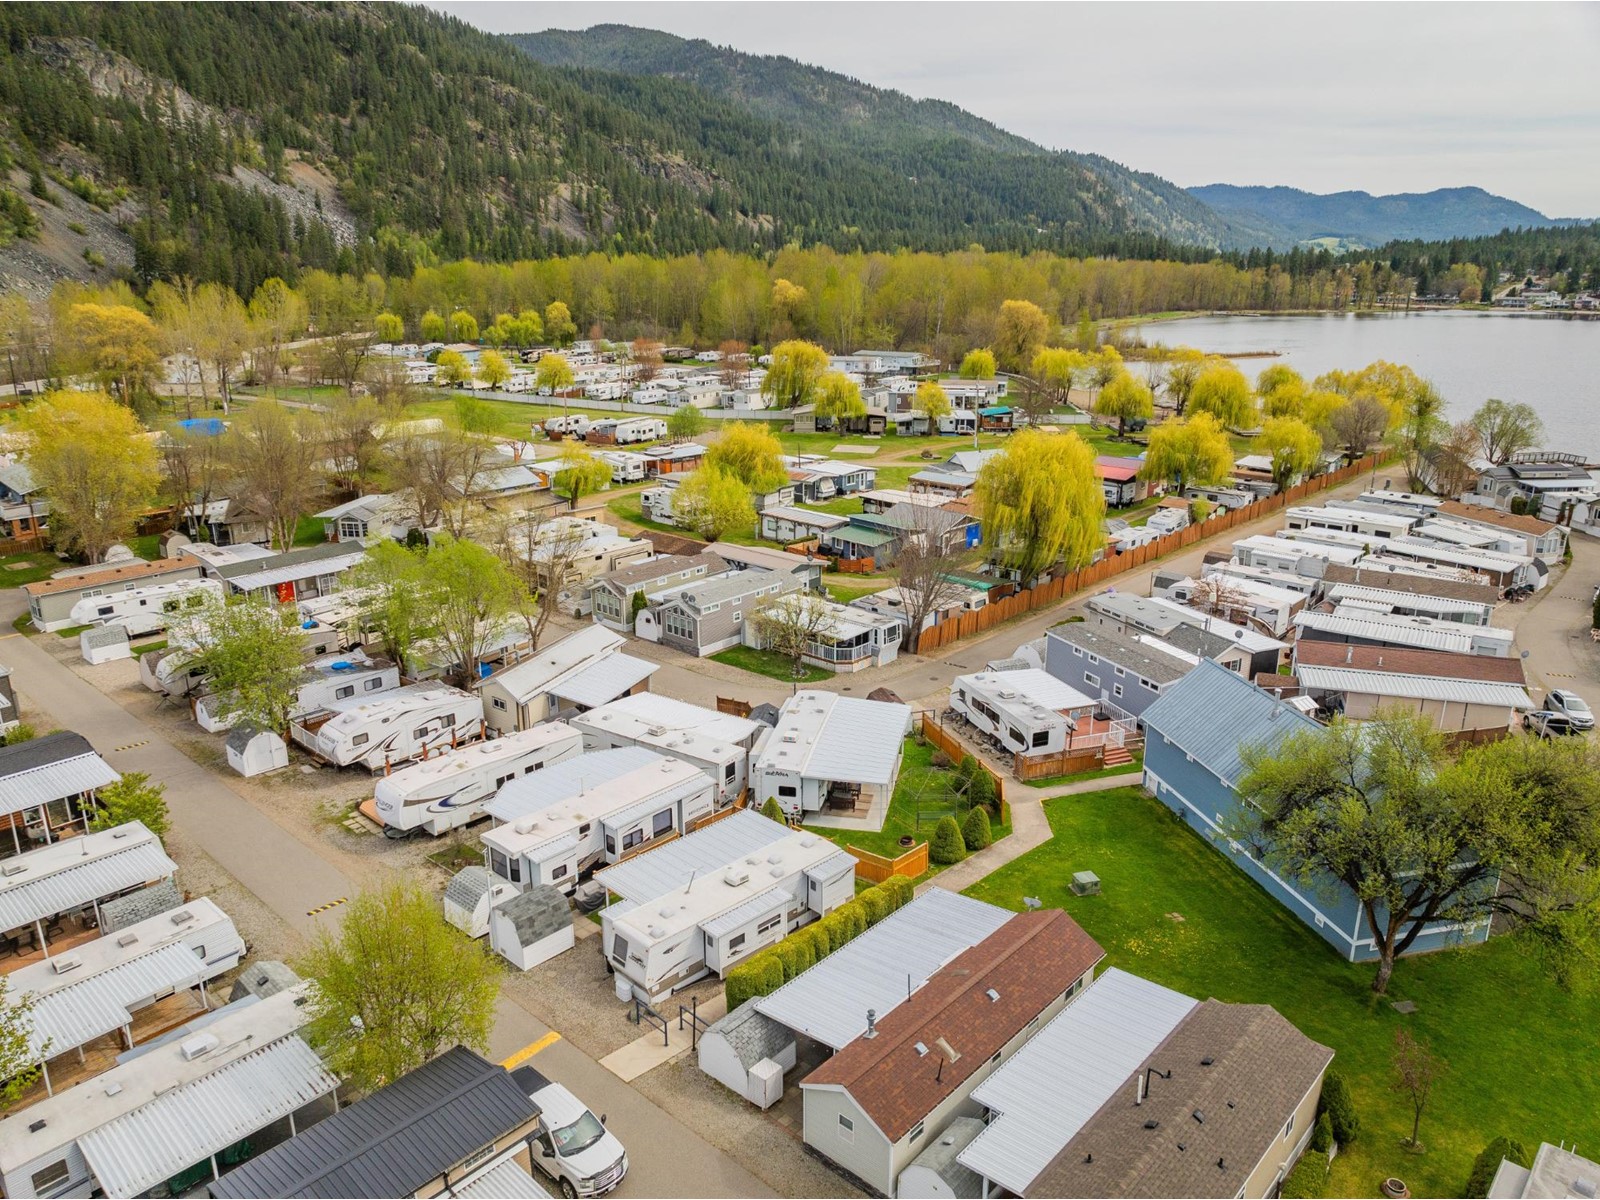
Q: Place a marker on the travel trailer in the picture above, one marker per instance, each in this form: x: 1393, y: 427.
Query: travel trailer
x: 638, y: 429
x: 146, y: 609
x: 398, y: 727
x: 168, y: 671
x: 715, y: 921
x: 626, y: 467
x: 327, y: 680
x: 1028, y: 711
x: 718, y: 743
x: 450, y: 790
x: 575, y: 425
x: 596, y: 809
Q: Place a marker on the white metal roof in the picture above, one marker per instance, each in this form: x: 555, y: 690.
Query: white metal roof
x: 770, y: 901
x: 75, y: 872
x: 1030, y: 686
x: 1404, y: 631
x: 53, y: 781
x: 604, y: 680
x: 535, y: 675
x: 183, y: 1126
x: 563, y: 780
x: 97, y: 1004
x: 1456, y: 534
x: 272, y: 576
x: 1413, y: 687
x: 824, y: 736
x: 1287, y: 548
x: 637, y: 716
x: 880, y: 969
x: 1478, y: 560
x: 1051, y: 1087
x: 657, y: 872
x: 1393, y: 599
x: 503, y: 1181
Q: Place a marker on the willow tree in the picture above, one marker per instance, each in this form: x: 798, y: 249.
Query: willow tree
x: 792, y: 377
x: 1019, y: 334
x: 1224, y: 392
x: 838, y: 397
x: 1293, y: 446
x: 1041, y: 503
x: 750, y: 452
x: 1126, y: 399
x: 931, y: 400
x: 1186, y: 452
x: 978, y: 364
x: 1053, y: 371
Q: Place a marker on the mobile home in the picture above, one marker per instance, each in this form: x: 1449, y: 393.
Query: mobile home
x: 144, y: 610
x: 712, y: 923
x: 450, y: 790
x: 1369, y: 523
x: 718, y: 743
x: 598, y: 808
x: 400, y: 726
x: 639, y: 429
x: 328, y: 680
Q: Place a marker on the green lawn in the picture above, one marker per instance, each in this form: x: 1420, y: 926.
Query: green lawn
x: 1131, y: 769
x: 30, y: 567
x: 309, y: 532
x: 843, y: 593
x: 1522, y: 1054
x: 774, y: 666
x: 630, y: 508
x: 923, y: 794
x: 841, y: 506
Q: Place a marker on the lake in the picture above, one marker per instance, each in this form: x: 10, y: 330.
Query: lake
x: 1551, y: 363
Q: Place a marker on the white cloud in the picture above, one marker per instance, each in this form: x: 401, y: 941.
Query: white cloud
x: 1327, y: 97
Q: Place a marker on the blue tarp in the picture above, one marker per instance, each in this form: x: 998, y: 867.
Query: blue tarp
x: 210, y: 426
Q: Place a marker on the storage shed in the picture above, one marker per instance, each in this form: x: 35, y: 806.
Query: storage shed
x: 103, y: 643
x: 472, y: 892
x: 531, y: 928
x: 937, y: 1174
x: 749, y: 1052
x: 256, y: 751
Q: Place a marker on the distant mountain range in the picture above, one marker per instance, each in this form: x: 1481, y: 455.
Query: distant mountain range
x: 1356, y: 220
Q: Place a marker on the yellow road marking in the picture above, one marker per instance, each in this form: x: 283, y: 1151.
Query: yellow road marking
x: 532, y: 1048
x: 322, y: 908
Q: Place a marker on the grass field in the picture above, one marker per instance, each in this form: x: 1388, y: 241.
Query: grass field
x: 773, y: 666
x: 923, y: 794
x: 29, y: 567
x: 1522, y: 1055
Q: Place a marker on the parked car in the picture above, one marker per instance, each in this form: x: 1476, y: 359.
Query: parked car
x: 1546, y: 723
x: 1572, y: 706
x: 576, y: 1150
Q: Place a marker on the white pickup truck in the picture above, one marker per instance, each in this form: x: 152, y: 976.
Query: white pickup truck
x: 573, y: 1146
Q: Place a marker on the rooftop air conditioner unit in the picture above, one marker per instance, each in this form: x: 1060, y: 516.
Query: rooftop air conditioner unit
x: 13, y: 868
x: 736, y: 876
x: 198, y: 1046
x: 127, y: 939
x: 63, y: 963
x: 182, y: 917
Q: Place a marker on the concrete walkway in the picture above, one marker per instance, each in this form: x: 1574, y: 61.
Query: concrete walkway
x: 1029, y: 828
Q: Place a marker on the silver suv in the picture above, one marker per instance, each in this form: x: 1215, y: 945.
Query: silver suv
x: 1572, y: 706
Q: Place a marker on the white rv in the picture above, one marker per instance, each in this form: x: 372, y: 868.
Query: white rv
x: 450, y: 790
x: 168, y: 672
x: 626, y: 467
x: 575, y: 425
x: 327, y: 681
x: 1028, y: 711
x: 638, y: 429
x: 146, y: 609
x: 598, y: 808
x: 718, y: 743
x: 717, y: 920
x: 398, y: 727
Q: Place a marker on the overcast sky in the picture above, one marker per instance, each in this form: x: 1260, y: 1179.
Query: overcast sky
x: 1326, y: 97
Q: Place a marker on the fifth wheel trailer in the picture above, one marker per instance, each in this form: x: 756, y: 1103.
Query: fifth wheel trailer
x: 327, y: 681
x: 398, y: 727
x: 147, y: 609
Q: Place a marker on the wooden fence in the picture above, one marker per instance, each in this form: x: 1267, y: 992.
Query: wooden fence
x: 1067, y: 762
x: 1042, y: 595
x: 955, y: 751
x: 875, y: 868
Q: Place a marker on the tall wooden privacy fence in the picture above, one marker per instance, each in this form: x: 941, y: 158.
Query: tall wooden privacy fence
x: 1086, y: 578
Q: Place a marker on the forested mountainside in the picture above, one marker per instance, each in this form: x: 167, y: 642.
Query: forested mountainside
x: 1360, y: 220
x: 931, y: 140
x: 236, y: 141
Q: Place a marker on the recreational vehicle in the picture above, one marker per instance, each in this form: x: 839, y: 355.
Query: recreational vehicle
x: 398, y: 727
x: 169, y: 672
x: 575, y: 425
x: 630, y: 431
x: 146, y: 609
x: 716, y: 921
x: 1369, y: 523
x: 450, y: 790
x: 599, y: 808
x: 718, y: 743
x: 1028, y: 711
x: 625, y: 467
x: 327, y: 681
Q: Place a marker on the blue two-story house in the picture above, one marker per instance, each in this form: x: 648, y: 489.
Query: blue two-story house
x: 1195, y: 732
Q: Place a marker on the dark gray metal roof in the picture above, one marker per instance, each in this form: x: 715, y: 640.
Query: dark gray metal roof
x: 537, y: 913
x: 395, y: 1140
x: 139, y: 906
x: 42, y: 752
x: 263, y: 979
x: 753, y: 1035
x: 1121, y: 650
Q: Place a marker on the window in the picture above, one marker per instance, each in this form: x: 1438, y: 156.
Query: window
x: 736, y: 942
x: 503, y: 780
x: 559, y: 872
x: 505, y: 867
x: 583, y: 830
x: 373, y: 685
x: 996, y: 1057
x: 1288, y: 1125
x: 52, y: 1176
x: 611, y: 844
x: 104, y: 611
x: 1016, y: 736
x: 360, y: 739
x: 728, y: 771
x: 1041, y: 738
x: 1078, y: 650
x: 632, y: 838
x: 499, y: 704
x: 771, y: 922
x: 1091, y: 679
x: 916, y: 1132
x: 1094, y: 658
x: 1116, y: 690
x: 847, y: 1129
x: 787, y: 790
x: 661, y: 823
x: 344, y: 693
x: 1149, y: 686
x: 1118, y: 672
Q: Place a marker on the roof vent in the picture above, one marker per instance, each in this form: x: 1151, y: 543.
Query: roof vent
x: 182, y: 917
x: 1207, y: 1061
x: 1583, y: 1186
x: 1200, y: 1117
x: 127, y: 939
x: 775, y: 857
x: 776, y: 872
x: 113, y: 1088
x: 13, y: 868
x: 946, y: 1049
x: 992, y: 994
x: 36, y: 1126
x: 1183, y: 1146
x: 656, y: 931
x: 63, y: 963
x: 872, y: 1024
x: 1152, y: 1124
x: 736, y: 877
x: 922, y: 1049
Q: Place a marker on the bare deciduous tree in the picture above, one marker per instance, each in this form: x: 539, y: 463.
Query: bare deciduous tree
x: 353, y: 429
x: 1416, y: 1070
x: 541, y: 547
x: 922, y: 571
x: 788, y: 625
x: 272, y: 463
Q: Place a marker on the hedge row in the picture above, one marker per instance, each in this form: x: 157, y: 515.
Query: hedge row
x: 767, y: 971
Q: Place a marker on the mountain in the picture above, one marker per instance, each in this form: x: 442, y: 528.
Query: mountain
x: 1359, y: 220
x: 931, y: 142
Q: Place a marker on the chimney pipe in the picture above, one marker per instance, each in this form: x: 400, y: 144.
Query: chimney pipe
x: 872, y: 1024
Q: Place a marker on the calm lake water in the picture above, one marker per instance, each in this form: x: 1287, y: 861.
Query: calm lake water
x: 1550, y: 363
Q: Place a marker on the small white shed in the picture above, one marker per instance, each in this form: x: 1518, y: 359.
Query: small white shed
x: 936, y: 1174
x: 531, y: 928
x: 749, y: 1052
x: 256, y: 751
x: 103, y: 644
x: 471, y: 893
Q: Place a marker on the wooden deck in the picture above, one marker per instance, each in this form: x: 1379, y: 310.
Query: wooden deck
x: 71, y: 936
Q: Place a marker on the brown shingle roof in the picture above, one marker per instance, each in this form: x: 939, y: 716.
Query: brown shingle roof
x: 1262, y: 1068
x: 1412, y: 584
x: 125, y: 573
x: 1403, y: 661
x: 663, y: 565
x: 1493, y: 516
x: 670, y: 543
x: 1029, y: 961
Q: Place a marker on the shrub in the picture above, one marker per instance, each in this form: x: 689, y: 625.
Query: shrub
x: 967, y: 769
x: 1340, y: 1108
x: 940, y: 760
x: 1488, y: 1162
x: 741, y: 983
x: 900, y: 891
x: 975, y: 831
x: 132, y: 798
x: 818, y: 937
x: 982, y: 791
x: 773, y: 811
x: 1322, y: 1135
x: 639, y: 603
x: 854, y: 914
x: 837, y: 930
x: 18, y: 733
x: 947, y: 846
x: 1307, y: 1180
x: 797, y: 954
x: 877, y: 903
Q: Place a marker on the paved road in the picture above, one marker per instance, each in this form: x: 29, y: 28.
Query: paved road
x: 291, y: 877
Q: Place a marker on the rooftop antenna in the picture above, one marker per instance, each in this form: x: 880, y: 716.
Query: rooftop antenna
x: 1144, y: 1083
x: 689, y: 887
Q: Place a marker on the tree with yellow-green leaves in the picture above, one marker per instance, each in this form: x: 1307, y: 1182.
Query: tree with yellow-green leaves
x: 579, y: 474
x: 389, y: 327
x: 1019, y: 334
x: 1041, y: 503
x: 1225, y: 393
x: 119, y: 345
x: 838, y: 397
x: 1189, y: 452
x: 463, y: 326
x: 1105, y: 365
x: 931, y: 400
x: 792, y: 377
x: 1293, y: 446
x: 1183, y: 367
x: 1126, y: 399
x: 433, y: 326
x: 711, y: 501
x: 751, y: 454
x: 453, y: 368
x: 978, y: 364
x: 553, y: 372
x: 1053, y: 370
x: 559, y: 328
x: 92, y: 460
x: 493, y: 370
